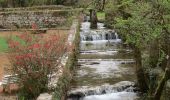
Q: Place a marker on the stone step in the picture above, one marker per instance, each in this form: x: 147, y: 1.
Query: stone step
x: 9, y: 79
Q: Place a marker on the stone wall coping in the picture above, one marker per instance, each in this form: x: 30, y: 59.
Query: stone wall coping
x: 36, y: 7
x: 27, y: 11
x: 35, y: 29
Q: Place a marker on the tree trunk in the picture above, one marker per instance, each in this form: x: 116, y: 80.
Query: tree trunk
x: 166, y: 76
x: 159, y: 89
x: 154, y: 53
x: 164, y: 46
x: 93, y: 19
x: 103, y: 5
x: 10, y: 3
x: 139, y: 71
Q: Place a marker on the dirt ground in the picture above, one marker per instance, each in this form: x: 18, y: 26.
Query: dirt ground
x: 10, y: 33
x: 4, y: 64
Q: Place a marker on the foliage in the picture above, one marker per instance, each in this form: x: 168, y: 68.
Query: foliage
x: 135, y: 28
x: 101, y: 16
x: 4, y: 42
x: 35, y: 60
x: 144, y: 24
x: 97, y: 4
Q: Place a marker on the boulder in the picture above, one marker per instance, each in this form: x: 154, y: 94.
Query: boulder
x: 44, y: 96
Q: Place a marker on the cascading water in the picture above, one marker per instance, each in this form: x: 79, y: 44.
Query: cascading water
x: 97, y: 35
x: 105, y: 68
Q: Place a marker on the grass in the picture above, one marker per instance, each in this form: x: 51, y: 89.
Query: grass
x: 101, y: 15
x: 3, y: 44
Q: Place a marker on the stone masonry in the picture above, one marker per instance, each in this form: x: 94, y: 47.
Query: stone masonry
x: 26, y: 19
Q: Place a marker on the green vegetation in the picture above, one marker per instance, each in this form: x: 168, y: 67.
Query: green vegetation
x: 144, y: 25
x: 3, y: 45
x: 101, y: 16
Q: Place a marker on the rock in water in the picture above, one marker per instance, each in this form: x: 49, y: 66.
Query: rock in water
x: 93, y: 19
x: 45, y: 96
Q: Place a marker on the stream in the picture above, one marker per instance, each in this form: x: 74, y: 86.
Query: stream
x: 105, y: 69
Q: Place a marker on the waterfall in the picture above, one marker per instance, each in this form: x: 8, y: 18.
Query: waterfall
x: 95, y: 35
x: 123, y: 86
x: 86, y: 18
x: 103, y: 67
x: 117, y: 36
x: 99, y: 34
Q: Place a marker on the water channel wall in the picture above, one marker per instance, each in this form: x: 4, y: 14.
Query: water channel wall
x: 64, y: 81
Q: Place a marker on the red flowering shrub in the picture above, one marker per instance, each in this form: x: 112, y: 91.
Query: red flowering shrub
x: 33, y: 59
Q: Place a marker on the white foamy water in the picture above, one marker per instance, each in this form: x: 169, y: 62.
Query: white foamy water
x: 120, y: 91
x: 100, y: 52
x: 113, y: 96
x: 86, y: 26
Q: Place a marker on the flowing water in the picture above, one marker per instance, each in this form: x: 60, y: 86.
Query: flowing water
x: 105, y: 69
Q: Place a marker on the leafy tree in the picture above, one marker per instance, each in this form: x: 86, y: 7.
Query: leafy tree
x: 135, y: 29
x: 99, y: 4
x: 145, y: 24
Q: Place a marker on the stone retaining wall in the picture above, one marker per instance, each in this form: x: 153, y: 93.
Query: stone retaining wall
x: 36, y: 19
